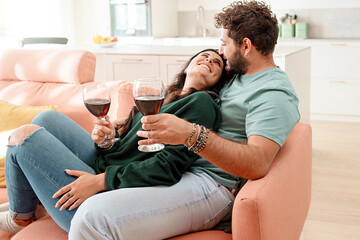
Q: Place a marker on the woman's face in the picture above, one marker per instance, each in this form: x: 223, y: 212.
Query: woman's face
x: 204, y: 70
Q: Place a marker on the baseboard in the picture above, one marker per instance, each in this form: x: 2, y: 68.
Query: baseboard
x: 335, y: 118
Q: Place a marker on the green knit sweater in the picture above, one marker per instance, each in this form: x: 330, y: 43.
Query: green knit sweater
x: 125, y: 166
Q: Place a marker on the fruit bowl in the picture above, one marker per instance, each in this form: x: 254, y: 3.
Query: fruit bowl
x: 106, y: 45
x: 104, y: 42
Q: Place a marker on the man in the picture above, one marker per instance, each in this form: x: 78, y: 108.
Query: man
x: 259, y: 110
x: 259, y: 105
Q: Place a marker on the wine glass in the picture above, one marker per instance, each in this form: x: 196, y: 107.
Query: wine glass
x: 149, y: 97
x: 97, y: 100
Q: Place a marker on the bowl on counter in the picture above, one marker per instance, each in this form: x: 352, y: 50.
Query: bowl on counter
x: 106, y: 45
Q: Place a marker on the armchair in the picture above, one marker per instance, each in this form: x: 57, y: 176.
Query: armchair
x: 273, y: 207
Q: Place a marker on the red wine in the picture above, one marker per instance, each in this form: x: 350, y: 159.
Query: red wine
x: 149, y: 104
x: 98, y: 107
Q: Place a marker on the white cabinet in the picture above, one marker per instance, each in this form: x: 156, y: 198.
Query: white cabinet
x: 295, y: 61
x: 170, y: 66
x: 121, y: 67
x: 335, y: 78
x: 336, y: 82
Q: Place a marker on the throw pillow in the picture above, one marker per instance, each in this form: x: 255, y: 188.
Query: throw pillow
x: 12, y: 117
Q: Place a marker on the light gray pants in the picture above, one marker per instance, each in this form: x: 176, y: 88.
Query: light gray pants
x: 197, y: 202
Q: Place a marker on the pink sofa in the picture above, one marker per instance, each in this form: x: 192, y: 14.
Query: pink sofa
x: 274, y: 207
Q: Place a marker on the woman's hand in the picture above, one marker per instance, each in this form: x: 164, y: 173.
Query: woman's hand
x: 101, y: 129
x: 81, y: 189
x: 164, y: 128
x: 118, y: 123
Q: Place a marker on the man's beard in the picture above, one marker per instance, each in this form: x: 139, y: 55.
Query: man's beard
x: 238, y: 64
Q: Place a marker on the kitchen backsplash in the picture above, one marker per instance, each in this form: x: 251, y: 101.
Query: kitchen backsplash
x: 322, y: 23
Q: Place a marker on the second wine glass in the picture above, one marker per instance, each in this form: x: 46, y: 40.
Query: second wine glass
x: 149, y: 96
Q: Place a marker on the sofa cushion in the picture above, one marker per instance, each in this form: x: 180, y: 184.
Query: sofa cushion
x: 61, y: 66
x: 42, y: 229
x: 12, y: 117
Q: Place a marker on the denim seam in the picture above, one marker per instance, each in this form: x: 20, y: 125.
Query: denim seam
x: 222, y: 210
x: 39, y: 169
x: 42, y: 172
x: 10, y: 188
x: 158, y: 211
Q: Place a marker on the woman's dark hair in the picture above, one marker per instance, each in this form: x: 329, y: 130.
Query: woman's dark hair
x: 173, y: 92
x: 250, y: 19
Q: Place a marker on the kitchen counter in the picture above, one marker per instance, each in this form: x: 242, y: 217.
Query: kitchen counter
x: 170, y: 47
x: 318, y: 42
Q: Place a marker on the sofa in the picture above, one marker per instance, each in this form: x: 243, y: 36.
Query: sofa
x: 273, y: 207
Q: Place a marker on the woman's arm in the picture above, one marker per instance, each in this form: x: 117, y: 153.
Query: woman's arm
x: 167, y: 166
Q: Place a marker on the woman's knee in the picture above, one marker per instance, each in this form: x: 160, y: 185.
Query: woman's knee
x: 45, y: 117
x: 18, y: 136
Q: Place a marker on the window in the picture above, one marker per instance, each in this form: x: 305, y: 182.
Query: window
x: 130, y: 18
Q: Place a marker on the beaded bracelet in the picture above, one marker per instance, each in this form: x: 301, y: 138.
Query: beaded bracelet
x: 200, y: 140
x: 206, y: 136
x: 188, y: 140
x: 197, y: 137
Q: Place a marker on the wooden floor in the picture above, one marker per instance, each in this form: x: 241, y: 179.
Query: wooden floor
x: 335, y: 207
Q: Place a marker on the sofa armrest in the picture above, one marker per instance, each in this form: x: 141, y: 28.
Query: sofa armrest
x: 276, y: 206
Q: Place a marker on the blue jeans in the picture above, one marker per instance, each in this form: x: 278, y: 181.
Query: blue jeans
x: 35, y: 169
x: 197, y: 202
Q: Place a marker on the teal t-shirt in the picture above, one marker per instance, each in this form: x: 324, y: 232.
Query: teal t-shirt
x: 263, y: 103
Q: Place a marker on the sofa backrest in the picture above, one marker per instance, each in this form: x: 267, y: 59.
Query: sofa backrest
x: 57, y: 77
x: 50, y: 65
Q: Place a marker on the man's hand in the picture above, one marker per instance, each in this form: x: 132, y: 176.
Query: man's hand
x: 81, y: 189
x: 164, y: 128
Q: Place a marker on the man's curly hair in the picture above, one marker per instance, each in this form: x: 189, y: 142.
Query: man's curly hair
x: 250, y: 19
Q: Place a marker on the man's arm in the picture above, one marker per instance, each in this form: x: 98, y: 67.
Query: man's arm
x: 249, y: 160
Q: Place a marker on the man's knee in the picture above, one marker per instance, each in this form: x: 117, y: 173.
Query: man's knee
x: 86, y: 221
x: 18, y: 136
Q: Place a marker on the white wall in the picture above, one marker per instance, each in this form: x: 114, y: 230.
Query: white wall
x: 39, y: 18
x: 164, y: 18
x: 91, y: 17
x: 191, y: 5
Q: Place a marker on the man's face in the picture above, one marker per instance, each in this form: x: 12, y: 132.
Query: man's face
x: 231, y: 51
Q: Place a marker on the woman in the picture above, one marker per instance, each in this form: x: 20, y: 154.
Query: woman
x: 35, y: 168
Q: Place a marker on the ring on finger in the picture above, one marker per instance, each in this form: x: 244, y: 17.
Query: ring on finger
x: 68, y: 195
x: 107, y: 137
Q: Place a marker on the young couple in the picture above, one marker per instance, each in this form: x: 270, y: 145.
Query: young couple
x: 135, y: 195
